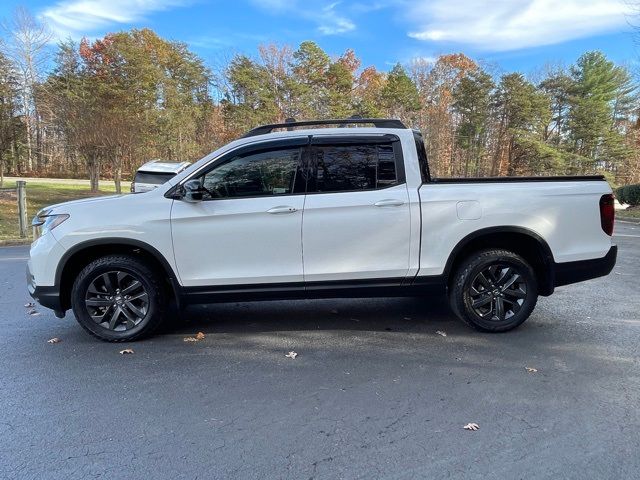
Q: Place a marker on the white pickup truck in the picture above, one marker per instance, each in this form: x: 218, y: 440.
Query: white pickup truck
x: 289, y: 211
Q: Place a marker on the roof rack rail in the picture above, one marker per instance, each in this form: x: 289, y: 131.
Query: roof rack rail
x: 290, y: 123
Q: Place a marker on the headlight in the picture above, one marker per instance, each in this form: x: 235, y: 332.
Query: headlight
x: 44, y: 222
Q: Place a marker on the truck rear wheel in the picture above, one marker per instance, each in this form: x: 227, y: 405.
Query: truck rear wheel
x: 118, y: 298
x: 494, y: 290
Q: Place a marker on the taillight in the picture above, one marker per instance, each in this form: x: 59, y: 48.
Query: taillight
x: 607, y: 213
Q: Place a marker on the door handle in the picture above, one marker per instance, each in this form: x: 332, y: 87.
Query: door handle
x: 389, y: 203
x: 282, y: 209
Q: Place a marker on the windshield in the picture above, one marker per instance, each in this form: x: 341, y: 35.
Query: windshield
x: 155, y: 178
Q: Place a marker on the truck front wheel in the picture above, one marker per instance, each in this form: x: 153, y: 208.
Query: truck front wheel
x: 118, y: 298
x: 494, y: 290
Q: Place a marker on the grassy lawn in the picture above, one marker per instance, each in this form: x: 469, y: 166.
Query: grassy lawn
x: 39, y: 195
x: 629, y: 213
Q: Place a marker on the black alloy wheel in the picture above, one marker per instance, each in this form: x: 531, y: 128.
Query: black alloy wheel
x: 493, y: 290
x: 498, y: 292
x: 119, y: 298
x: 116, y: 300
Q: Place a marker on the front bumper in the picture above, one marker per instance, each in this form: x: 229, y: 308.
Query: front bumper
x: 48, y: 297
x: 573, y: 272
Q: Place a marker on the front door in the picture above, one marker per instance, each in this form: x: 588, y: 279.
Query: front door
x: 247, y: 229
x: 356, y: 222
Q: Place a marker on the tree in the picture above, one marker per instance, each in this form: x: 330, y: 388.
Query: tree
x: 558, y: 86
x: 310, y: 66
x: 10, y: 124
x: 523, y: 114
x: 249, y: 101
x: 25, y: 47
x: 435, y: 119
x: 599, y: 86
x: 368, y: 93
x: 340, y: 83
x: 400, y: 95
x: 472, y: 102
x: 128, y: 97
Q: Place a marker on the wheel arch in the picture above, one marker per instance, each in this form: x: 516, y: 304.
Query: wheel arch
x: 521, y: 241
x: 78, y: 256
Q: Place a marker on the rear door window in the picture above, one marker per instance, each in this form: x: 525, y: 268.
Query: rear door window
x: 352, y: 164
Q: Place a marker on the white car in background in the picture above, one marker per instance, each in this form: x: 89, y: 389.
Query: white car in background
x: 154, y: 173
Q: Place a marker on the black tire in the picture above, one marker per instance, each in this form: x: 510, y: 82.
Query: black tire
x: 136, y: 315
x: 479, y: 306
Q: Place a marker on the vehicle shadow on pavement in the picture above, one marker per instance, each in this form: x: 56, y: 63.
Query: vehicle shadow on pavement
x: 380, y: 314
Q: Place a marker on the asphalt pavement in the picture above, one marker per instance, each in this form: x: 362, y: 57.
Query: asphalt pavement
x: 375, y: 391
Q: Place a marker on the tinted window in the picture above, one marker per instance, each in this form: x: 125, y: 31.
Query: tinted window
x: 155, y: 178
x: 352, y: 167
x: 265, y: 173
x: 422, y: 158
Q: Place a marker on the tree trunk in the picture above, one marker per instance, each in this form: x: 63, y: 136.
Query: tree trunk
x: 117, y: 176
x: 14, y: 156
x: 93, y: 167
x: 39, y: 142
x: 27, y: 124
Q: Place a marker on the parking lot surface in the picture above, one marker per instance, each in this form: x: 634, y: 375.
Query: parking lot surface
x: 375, y: 391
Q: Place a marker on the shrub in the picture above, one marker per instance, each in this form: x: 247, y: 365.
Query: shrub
x: 632, y: 194
x: 629, y: 194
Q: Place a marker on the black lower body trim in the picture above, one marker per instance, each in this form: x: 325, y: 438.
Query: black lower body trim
x: 365, y: 288
x: 48, y: 297
x: 573, y: 272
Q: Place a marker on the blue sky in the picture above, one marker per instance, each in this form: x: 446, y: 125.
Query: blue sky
x: 519, y: 35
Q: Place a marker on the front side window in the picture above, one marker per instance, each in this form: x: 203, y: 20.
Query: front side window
x: 352, y: 167
x: 257, y: 174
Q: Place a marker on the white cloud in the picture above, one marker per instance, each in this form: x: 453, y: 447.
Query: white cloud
x: 74, y: 17
x: 325, y: 15
x: 503, y: 25
x: 330, y: 22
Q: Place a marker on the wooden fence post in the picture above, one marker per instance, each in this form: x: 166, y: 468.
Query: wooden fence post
x: 22, y: 207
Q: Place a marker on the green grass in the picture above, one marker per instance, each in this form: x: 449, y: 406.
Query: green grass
x: 629, y: 213
x: 39, y: 195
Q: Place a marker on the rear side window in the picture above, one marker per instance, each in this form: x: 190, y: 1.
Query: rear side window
x: 154, y: 178
x: 351, y: 167
x: 422, y: 158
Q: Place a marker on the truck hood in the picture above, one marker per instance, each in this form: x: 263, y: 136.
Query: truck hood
x: 60, y: 207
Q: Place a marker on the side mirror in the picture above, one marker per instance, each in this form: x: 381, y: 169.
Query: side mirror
x: 192, y: 191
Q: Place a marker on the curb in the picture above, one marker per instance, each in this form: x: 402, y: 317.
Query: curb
x: 15, y: 243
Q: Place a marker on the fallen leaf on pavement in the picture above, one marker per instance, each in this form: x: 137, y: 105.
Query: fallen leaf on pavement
x: 126, y: 351
x: 199, y: 336
x: 29, y: 305
x: 472, y: 426
x: 441, y: 333
x: 291, y: 355
x: 531, y: 369
x: 53, y: 340
x: 33, y: 312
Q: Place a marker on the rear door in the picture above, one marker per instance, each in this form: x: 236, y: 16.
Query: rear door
x: 356, y: 221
